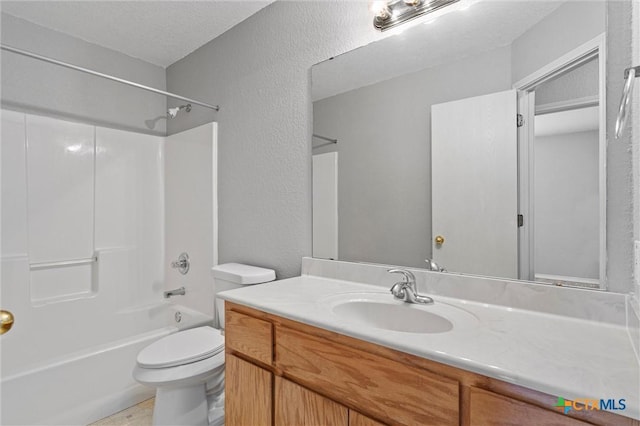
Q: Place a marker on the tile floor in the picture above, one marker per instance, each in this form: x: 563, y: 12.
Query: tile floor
x: 138, y: 415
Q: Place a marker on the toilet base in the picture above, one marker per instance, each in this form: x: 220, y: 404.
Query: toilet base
x: 181, y: 406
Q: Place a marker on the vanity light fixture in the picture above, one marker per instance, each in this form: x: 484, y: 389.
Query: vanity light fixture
x: 390, y: 13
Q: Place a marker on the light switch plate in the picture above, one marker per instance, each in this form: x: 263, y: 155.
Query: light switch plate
x: 636, y: 262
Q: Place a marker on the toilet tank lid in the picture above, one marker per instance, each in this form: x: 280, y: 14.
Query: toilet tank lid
x: 243, y: 274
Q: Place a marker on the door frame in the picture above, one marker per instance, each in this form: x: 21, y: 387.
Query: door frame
x: 526, y: 107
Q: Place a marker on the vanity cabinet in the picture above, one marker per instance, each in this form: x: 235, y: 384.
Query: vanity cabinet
x: 282, y: 372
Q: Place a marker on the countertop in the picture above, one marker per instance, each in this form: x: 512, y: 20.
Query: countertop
x: 557, y: 355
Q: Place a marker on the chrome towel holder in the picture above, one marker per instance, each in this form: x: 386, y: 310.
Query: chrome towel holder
x: 630, y: 75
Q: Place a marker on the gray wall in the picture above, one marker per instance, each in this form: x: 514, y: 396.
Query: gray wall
x: 567, y: 205
x: 384, y: 171
x: 38, y: 87
x: 620, y: 193
x: 566, y: 28
x: 259, y: 74
x: 579, y: 83
x: 635, y: 132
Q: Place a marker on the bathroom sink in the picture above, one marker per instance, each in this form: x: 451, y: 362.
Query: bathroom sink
x: 382, y: 311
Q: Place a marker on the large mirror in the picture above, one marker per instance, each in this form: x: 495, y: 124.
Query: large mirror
x: 475, y: 141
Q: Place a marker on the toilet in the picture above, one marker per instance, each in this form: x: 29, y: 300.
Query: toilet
x: 187, y: 368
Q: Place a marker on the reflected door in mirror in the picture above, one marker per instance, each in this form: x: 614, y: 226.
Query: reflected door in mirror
x: 475, y: 184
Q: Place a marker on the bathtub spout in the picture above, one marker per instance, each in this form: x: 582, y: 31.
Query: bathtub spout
x: 178, y: 291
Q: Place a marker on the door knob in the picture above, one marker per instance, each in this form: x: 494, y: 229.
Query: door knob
x: 6, y: 321
x: 439, y: 240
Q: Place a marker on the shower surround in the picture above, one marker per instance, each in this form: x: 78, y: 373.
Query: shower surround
x: 82, y: 260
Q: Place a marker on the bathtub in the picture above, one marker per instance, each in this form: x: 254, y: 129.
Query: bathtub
x: 89, y: 384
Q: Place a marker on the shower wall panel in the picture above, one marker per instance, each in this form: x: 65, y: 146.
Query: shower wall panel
x: 60, y: 188
x: 73, y: 191
x: 14, y: 185
x: 60, y: 165
x: 129, y: 229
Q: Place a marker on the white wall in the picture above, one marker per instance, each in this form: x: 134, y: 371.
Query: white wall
x: 34, y: 86
x: 567, y: 205
x: 259, y: 74
x: 190, y: 167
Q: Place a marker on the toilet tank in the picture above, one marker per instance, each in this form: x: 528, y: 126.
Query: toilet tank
x: 229, y: 276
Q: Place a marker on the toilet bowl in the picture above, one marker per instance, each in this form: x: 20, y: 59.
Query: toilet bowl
x: 187, y: 368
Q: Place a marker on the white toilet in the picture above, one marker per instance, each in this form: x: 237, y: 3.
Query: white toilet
x: 187, y: 368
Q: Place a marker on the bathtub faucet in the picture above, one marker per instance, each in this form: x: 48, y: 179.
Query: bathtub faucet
x: 177, y: 292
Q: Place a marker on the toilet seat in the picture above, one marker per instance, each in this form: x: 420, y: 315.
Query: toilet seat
x: 184, y: 347
x: 182, y: 375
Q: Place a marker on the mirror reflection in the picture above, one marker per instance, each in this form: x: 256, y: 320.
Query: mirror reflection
x: 486, y: 156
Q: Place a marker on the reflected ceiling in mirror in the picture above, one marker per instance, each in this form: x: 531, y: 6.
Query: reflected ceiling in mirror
x: 406, y: 112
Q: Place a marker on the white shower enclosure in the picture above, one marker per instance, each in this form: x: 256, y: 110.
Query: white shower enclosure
x: 83, y: 266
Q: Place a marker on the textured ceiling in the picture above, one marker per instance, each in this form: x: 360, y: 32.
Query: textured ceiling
x: 160, y: 32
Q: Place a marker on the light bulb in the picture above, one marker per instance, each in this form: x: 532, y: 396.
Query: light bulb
x: 380, y: 9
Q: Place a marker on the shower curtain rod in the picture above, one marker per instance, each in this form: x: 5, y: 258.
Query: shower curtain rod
x: 315, y: 135
x: 106, y: 76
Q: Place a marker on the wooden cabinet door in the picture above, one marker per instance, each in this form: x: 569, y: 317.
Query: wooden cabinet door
x: 357, y: 419
x: 298, y: 406
x: 491, y: 409
x: 248, y: 397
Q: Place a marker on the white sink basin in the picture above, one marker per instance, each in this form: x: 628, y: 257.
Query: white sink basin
x: 382, y: 311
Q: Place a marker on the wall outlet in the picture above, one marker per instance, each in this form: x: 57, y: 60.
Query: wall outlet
x: 636, y: 263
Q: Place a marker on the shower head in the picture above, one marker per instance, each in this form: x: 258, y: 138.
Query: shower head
x: 173, y: 112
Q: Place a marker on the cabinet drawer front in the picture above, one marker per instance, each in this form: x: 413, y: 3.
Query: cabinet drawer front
x: 297, y: 406
x: 386, y: 389
x: 492, y: 409
x: 250, y: 336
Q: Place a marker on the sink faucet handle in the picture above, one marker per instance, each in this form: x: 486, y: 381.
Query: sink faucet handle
x: 407, y: 290
x: 409, y: 278
x: 433, y: 266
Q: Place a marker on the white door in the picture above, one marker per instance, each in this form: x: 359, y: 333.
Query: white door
x: 325, y: 205
x: 474, y: 178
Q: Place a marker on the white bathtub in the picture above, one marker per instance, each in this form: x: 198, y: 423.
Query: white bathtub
x: 87, y: 385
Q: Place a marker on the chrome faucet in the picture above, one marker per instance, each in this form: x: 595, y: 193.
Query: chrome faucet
x: 433, y: 266
x: 406, y: 290
x: 176, y: 292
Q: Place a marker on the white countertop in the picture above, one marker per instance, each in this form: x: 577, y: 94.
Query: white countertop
x: 557, y: 355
